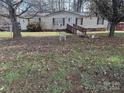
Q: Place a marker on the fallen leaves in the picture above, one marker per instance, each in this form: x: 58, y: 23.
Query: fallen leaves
x: 83, y: 63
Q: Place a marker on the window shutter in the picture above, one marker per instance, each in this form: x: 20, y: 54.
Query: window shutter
x: 81, y: 21
x: 69, y: 19
x: 53, y: 21
x: 28, y: 21
x: 97, y: 20
x: 76, y: 21
x: 39, y: 20
x: 63, y: 21
x: 103, y: 21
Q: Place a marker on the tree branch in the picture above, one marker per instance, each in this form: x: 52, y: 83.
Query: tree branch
x: 120, y: 19
x: 16, y: 5
x: 24, y: 11
x: 5, y: 15
x: 4, y: 2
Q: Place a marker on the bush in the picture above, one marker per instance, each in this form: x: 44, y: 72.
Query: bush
x: 34, y: 27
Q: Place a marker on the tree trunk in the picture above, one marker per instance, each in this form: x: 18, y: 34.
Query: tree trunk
x: 79, y: 3
x: 112, y: 29
x: 15, y: 28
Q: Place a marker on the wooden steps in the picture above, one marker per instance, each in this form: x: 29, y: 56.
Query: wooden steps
x: 81, y: 29
x: 75, y: 29
x: 71, y: 29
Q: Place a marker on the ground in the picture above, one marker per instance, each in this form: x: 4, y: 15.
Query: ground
x: 78, y: 65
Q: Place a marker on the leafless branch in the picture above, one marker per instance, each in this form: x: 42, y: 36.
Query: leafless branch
x: 5, y: 15
x: 24, y: 11
x: 16, y: 5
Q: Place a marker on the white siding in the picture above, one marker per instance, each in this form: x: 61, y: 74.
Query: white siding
x: 47, y: 21
x: 23, y: 23
x: 92, y: 23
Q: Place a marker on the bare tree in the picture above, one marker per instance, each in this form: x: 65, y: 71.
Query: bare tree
x: 12, y: 9
x: 78, y: 5
x: 112, y: 10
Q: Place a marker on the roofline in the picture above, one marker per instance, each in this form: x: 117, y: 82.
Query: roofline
x: 63, y: 11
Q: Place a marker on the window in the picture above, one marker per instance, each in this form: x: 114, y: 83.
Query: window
x: 58, y: 21
x: 100, y: 21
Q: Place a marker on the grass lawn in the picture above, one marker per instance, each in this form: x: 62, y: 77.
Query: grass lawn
x: 42, y: 34
x: 34, y: 34
x: 46, y: 65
